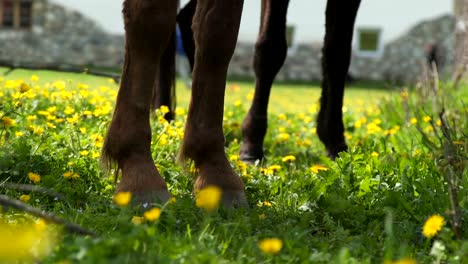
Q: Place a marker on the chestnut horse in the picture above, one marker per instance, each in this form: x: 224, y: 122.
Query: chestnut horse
x: 149, y: 27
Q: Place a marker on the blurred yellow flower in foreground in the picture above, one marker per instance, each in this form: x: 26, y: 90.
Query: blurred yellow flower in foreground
x: 34, y: 177
x: 208, y: 198
x: 433, y: 225
x: 317, y: 167
x: 401, y: 261
x: 8, y: 122
x: 138, y: 220
x: 30, y: 242
x: 152, y: 214
x: 122, y: 198
x: 270, y: 245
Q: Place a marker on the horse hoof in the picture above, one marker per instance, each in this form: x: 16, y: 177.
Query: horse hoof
x: 148, y: 198
x: 333, y: 152
x: 234, y: 199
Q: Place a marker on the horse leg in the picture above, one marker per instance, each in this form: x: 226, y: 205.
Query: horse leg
x: 164, y: 85
x: 184, y: 19
x: 340, y: 17
x: 270, y: 53
x: 148, y: 26
x: 216, y: 26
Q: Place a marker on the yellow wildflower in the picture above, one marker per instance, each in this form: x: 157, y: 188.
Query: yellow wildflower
x: 317, y: 167
x: 69, y: 110
x: 138, y: 220
x: 34, y: 78
x: 122, y: 198
x: 288, y: 158
x: 427, y: 119
x: 164, y: 109
x: 283, y: 136
x: 84, y: 153
x: 71, y: 175
x: 172, y: 200
x: 374, y: 154
x: 24, y: 87
x: 180, y: 111
x: 152, y: 214
x: 402, y: 261
x: 25, y: 198
x: 282, y: 117
x: 208, y: 198
x: 19, y: 133
x: 433, y: 225
x: 8, y: 122
x: 34, y: 177
x: 270, y: 245
x: 413, y: 120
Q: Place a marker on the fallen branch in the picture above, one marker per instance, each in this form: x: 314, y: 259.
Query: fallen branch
x: 32, y: 188
x: 48, y: 217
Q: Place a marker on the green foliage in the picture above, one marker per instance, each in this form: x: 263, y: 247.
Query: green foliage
x: 368, y: 206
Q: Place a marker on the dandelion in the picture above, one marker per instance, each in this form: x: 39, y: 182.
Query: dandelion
x: 164, y: 109
x: 152, y: 214
x: 24, y: 87
x: 172, y: 200
x: 270, y: 245
x: 208, y: 198
x: 19, y: 134
x: 265, y: 203
x: 288, y: 158
x: 34, y: 78
x: 25, y: 198
x: 413, y: 120
x: 317, y: 167
x: 433, y: 225
x: 34, y: 177
x: 84, y: 153
x: 71, y: 175
x: 402, y: 261
x: 8, y: 122
x: 122, y: 198
x: 427, y: 119
x: 138, y: 220
x: 374, y: 154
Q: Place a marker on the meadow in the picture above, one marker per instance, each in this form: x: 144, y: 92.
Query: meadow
x: 397, y: 196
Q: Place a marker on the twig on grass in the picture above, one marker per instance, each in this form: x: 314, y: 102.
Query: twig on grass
x: 48, y: 217
x: 32, y: 188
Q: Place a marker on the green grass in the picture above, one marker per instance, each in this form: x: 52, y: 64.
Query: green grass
x: 368, y: 206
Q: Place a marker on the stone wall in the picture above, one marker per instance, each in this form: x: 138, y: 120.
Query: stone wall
x: 62, y: 36
x: 401, y: 60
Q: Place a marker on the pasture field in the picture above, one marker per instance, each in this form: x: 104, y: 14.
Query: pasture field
x: 397, y: 196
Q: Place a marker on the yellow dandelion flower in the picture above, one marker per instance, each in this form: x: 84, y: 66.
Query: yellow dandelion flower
x: 83, y: 130
x: 288, y: 158
x: 8, y: 122
x: 413, y: 120
x: 25, y: 198
x: 265, y: 203
x: 317, y: 167
x: 180, y: 111
x: 427, y: 119
x: 52, y: 109
x: 152, y: 214
x: 138, y: 220
x: 19, y: 134
x: 122, y: 198
x: 283, y: 136
x: 164, y: 109
x: 84, y: 153
x: 208, y: 198
x: 261, y: 216
x: 270, y: 245
x: 433, y: 225
x: 31, y: 117
x: 274, y: 168
x: 439, y: 123
x: 24, y: 87
x: 34, y: 177
x: 34, y: 78
x: 95, y: 155
x: 69, y: 110
x: 282, y: 117
x: 71, y: 175
x: 374, y: 154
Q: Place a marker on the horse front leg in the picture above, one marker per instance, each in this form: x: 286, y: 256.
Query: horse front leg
x: 270, y: 53
x: 216, y: 26
x: 340, y: 17
x: 148, y: 26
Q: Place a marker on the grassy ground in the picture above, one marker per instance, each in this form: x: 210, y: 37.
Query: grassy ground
x: 368, y: 206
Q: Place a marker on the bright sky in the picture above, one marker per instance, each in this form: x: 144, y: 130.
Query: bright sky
x: 393, y: 16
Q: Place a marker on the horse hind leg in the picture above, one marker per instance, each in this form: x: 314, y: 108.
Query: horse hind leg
x: 216, y: 25
x: 270, y: 53
x: 340, y: 17
x: 148, y: 26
